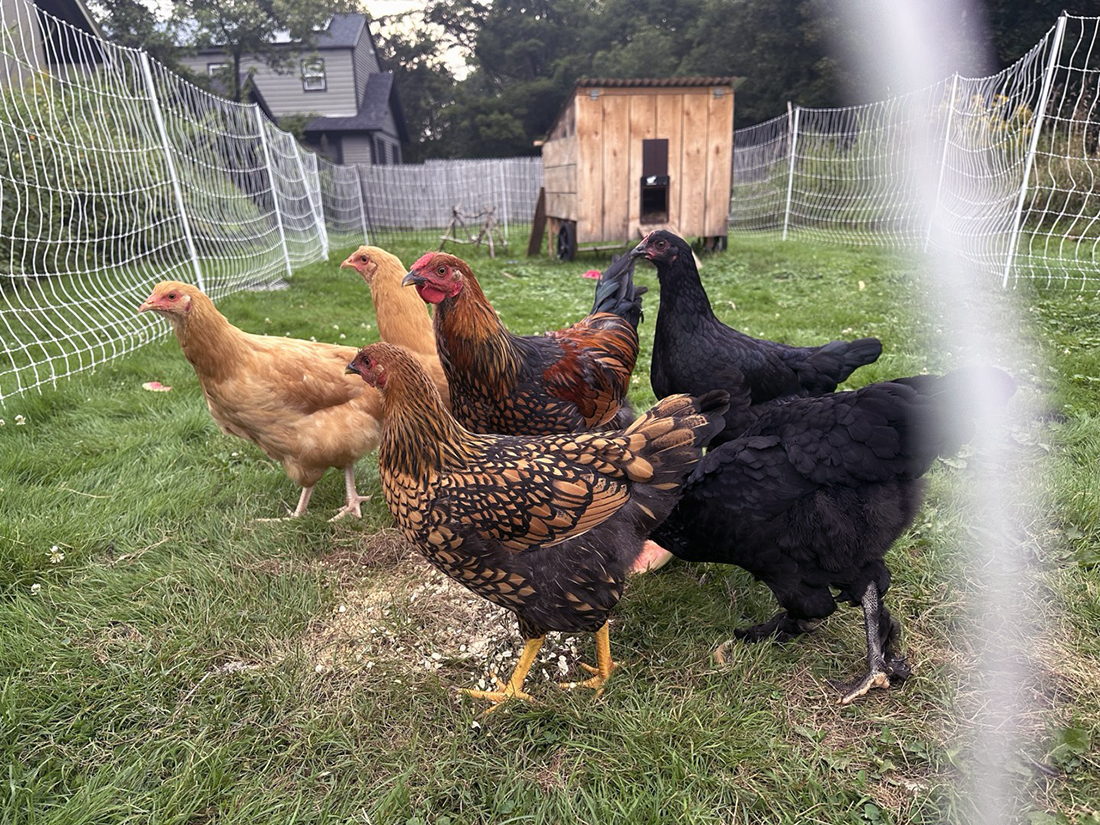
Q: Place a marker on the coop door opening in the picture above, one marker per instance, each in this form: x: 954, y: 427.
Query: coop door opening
x: 654, y: 186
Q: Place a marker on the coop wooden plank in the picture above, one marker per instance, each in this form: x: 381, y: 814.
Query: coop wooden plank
x: 590, y: 136
x: 643, y: 126
x: 719, y: 163
x: 561, y: 205
x: 670, y: 114
x: 560, y: 179
x: 616, y: 168
x: 538, y: 225
x: 695, y: 155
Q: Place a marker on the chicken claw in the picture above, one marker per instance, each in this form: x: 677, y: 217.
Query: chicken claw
x: 884, y: 667
x: 604, y: 665
x: 353, y: 497
x: 514, y: 688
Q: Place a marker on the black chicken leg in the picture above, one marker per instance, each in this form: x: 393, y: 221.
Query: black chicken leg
x: 884, y: 667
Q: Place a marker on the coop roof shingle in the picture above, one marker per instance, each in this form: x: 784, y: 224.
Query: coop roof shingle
x: 642, y: 82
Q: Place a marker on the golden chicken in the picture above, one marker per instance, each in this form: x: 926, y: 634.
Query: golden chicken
x: 403, y: 319
x: 290, y: 397
x: 544, y: 526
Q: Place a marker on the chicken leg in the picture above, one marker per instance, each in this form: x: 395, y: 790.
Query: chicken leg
x: 604, y: 664
x: 883, y: 665
x: 353, y: 497
x: 514, y: 688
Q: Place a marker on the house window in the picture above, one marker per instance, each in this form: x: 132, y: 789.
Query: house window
x: 313, y: 75
x: 216, y: 69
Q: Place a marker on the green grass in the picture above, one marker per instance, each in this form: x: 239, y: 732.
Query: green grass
x: 185, y: 663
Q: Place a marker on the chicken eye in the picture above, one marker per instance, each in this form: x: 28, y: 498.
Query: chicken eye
x: 441, y: 271
x: 171, y: 296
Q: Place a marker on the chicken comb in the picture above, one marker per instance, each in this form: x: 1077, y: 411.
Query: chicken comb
x: 423, y: 260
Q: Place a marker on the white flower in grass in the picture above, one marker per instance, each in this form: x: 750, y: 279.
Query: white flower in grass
x: 2, y: 422
x: 35, y: 588
x: 56, y: 555
x: 20, y: 421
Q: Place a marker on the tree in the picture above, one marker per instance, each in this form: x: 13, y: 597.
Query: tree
x: 133, y: 24
x: 526, y: 56
x: 425, y: 85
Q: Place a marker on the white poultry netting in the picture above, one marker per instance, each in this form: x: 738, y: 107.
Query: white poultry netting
x: 116, y: 174
x: 342, y: 198
x: 1017, y: 172
x: 451, y: 198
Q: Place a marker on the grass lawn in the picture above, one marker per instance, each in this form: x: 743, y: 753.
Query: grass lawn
x: 166, y: 658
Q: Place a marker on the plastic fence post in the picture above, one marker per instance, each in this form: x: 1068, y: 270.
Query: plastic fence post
x: 792, y: 115
x: 274, y: 187
x: 1040, y: 114
x: 173, y: 172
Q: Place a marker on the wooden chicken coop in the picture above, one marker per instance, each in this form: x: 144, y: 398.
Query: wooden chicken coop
x: 632, y: 155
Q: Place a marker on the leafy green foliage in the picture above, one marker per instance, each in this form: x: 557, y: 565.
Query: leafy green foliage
x: 59, y: 207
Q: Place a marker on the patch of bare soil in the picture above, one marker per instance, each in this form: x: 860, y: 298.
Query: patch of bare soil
x: 394, y: 610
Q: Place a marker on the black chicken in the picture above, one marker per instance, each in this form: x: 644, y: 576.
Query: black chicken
x: 694, y: 352
x: 816, y: 491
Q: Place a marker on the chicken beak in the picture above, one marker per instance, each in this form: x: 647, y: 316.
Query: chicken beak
x: 148, y: 303
x: 351, y: 369
x: 412, y: 279
x: 638, y: 251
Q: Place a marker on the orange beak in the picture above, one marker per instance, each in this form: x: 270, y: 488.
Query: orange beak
x: 348, y: 264
x: 148, y: 303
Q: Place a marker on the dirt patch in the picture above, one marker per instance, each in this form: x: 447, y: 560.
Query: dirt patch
x: 394, y: 610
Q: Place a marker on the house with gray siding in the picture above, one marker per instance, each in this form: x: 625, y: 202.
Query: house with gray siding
x: 357, y: 114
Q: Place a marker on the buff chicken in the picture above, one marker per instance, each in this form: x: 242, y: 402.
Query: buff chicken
x: 403, y: 319
x: 569, y: 380
x: 544, y: 526
x: 290, y: 397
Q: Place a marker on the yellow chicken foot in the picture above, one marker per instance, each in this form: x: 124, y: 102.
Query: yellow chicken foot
x: 514, y: 688
x: 652, y: 557
x: 353, y: 497
x: 604, y: 665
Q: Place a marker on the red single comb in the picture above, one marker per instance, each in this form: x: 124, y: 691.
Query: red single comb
x: 423, y: 260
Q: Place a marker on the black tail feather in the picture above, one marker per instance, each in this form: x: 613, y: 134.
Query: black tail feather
x: 616, y: 292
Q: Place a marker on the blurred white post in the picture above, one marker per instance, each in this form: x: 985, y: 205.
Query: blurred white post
x: 792, y: 119
x: 173, y: 172
x: 274, y: 186
x: 1040, y: 114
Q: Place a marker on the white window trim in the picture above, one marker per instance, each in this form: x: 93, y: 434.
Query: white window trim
x: 314, y: 78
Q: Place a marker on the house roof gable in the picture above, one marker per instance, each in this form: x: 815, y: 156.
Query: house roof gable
x: 379, y: 97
